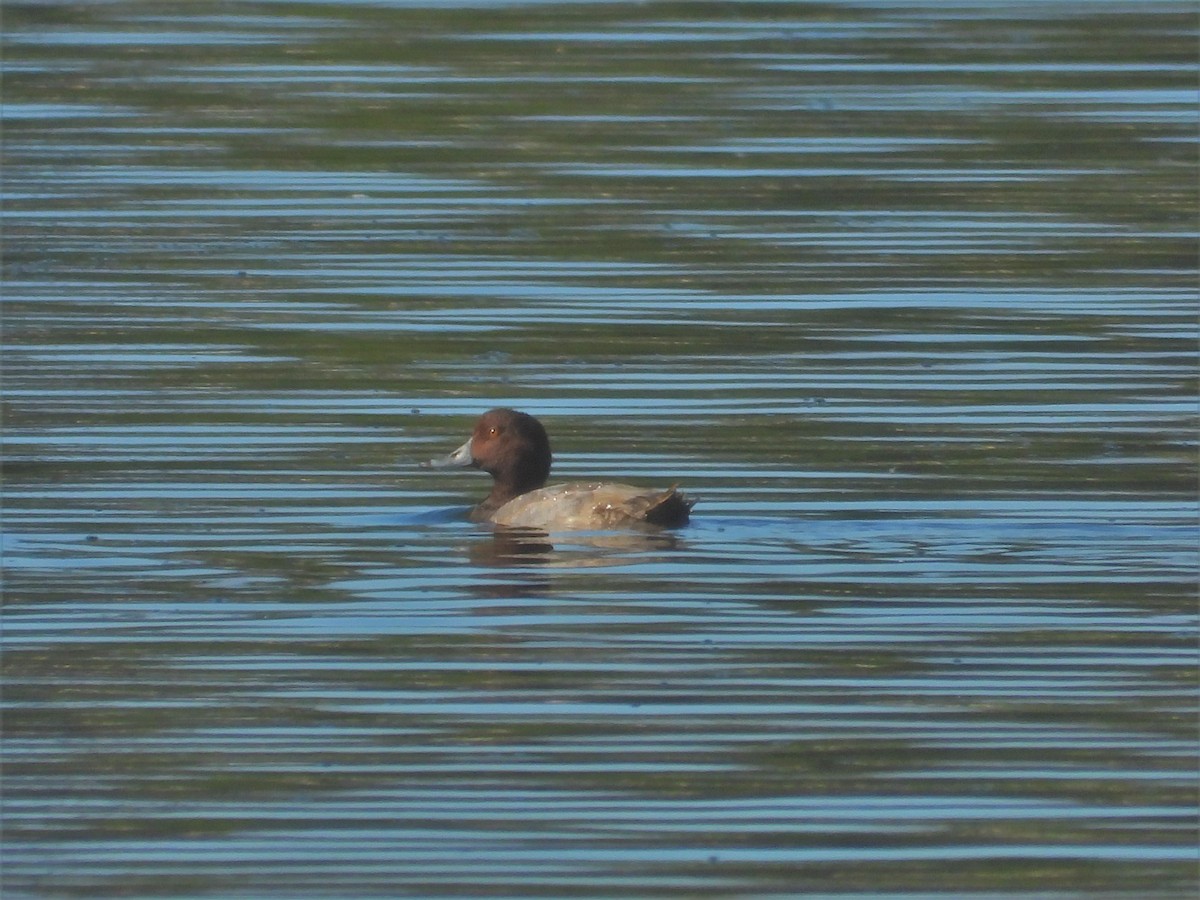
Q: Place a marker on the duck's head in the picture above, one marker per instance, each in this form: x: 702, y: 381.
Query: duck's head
x: 511, y: 446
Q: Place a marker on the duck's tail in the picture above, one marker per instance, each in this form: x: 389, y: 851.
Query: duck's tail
x: 668, y: 509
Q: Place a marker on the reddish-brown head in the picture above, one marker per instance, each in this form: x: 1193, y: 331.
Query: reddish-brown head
x: 513, y: 448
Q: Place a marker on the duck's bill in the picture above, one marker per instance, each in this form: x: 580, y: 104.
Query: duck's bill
x: 459, y: 458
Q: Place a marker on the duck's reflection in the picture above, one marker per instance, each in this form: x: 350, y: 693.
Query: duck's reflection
x: 513, y: 547
x: 532, y: 546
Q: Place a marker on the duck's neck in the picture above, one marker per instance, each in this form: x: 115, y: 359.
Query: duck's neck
x: 505, y: 490
x: 492, y: 502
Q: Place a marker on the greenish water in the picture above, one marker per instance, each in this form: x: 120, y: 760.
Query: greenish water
x: 903, y: 294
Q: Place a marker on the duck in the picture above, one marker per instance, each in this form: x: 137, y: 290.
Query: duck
x: 514, y: 449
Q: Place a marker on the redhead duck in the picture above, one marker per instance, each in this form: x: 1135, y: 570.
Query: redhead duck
x: 513, y: 448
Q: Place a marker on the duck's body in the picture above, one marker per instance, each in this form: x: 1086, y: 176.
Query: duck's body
x: 513, y: 447
x: 584, y: 505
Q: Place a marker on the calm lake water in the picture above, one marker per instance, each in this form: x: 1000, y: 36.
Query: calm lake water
x: 903, y: 293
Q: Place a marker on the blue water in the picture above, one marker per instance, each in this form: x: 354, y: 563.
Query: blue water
x: 904, y: 296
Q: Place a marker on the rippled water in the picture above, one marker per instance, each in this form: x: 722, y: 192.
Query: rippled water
x: 904, y: 294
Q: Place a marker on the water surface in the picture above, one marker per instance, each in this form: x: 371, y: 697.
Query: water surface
x: 903, y: 294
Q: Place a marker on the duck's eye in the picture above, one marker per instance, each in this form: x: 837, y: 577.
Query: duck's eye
x: 493, y: 431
